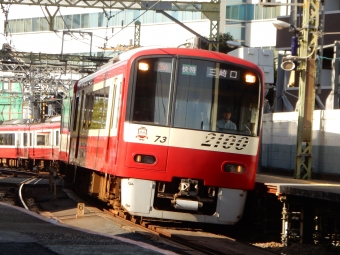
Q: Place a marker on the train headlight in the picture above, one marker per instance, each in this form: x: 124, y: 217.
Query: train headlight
x: 233, y: 168
x: 250, y: 78
x: 146, y: 159
x: 143, y: 66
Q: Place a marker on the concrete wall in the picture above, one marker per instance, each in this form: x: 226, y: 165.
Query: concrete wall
x: 279, y: 141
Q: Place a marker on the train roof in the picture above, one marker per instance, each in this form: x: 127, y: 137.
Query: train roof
x: 160, y: 50
x: 56, y: 118
x: 163, y: 50
x: 15, y: 122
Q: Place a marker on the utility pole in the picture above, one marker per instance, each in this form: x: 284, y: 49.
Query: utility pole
x: 307, y: 76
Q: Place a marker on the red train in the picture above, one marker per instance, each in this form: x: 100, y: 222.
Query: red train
x: 147, y: 133
x: 30, y: 145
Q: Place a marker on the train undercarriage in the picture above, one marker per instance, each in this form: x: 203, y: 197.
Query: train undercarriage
x: 34, y: 165
x: 181, y: 199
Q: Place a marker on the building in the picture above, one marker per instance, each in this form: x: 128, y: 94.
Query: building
x: 11, y: 100
x: 28, y: 29
x: 98, y: 32
x: 246, y: 20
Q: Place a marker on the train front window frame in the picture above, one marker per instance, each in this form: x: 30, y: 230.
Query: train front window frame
x: 154, y: 79
x: 203, y: 89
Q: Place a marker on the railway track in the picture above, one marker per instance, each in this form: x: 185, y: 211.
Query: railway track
x: 192, y: 236
x: 194, y: 239
x: 14, y: 183
x: 11, y: 183
x: 19, y: 189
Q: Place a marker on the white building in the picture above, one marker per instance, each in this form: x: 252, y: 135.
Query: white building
x: 246, y: 20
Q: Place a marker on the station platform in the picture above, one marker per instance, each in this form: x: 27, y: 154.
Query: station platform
x: 285, y: 185
x: 58, y: 230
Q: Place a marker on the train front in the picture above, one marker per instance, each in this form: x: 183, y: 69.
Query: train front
x: 191, y: 135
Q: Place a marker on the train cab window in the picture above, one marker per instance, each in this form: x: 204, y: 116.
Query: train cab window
x: 7, y: 139
x: 43, y: 138
x: 152, y: 91
x: 206, y: 89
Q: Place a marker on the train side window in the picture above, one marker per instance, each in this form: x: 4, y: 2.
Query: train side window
x: 43, y: 138
x: 88, y: 110
x: 97, y: 109
x: 57, y: 138
x: 7, y: 139
x: 25, y: 139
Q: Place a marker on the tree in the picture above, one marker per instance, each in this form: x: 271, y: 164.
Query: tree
x: 223, y: 46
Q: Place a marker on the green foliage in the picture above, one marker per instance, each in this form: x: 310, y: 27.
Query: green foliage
x: 223, y: 47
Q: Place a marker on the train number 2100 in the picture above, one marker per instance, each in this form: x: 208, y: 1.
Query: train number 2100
x: 226, y: 141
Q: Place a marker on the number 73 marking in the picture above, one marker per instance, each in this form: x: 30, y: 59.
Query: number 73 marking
x: 161, y: 139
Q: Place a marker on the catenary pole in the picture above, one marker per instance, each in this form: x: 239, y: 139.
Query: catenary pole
x: 307, y: 77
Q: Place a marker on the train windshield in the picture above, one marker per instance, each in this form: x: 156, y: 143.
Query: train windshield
x: 207, y: 95
x: 216, y: 97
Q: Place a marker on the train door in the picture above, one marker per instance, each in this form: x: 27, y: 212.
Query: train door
x: 65, y: 128
x: 75, y: 129
x: 56, y: 138
x: 43, y: 143
x: 30, y: 143
x: 147, y: 132
x: 23, y: 147
x: 112, y: 121
x: 25, y: 144
x: 18, y: 145
x: 94, y: 125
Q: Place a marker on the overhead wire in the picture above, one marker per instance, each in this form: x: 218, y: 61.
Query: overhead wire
x: 76, y: 38
x: 137, y: 17
x: 107, y: 26
x: 50, y: 23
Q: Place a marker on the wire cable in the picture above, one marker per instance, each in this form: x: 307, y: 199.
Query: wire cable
x: 137, y: 18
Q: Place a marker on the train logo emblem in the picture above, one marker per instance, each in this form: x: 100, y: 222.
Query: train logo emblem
x: 142, y: 134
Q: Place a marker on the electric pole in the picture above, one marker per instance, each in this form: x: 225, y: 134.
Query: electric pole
x: 307, y: 76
